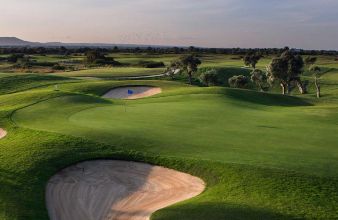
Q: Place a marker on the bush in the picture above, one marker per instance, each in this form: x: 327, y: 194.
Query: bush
x: 209, y: 78
x: 224, y: 74
x: 97, y: 58
x: 13, y: 58
x: 151, y: 64
x: 239, y: 81
x: 43, y: 64
x: 58, y: 67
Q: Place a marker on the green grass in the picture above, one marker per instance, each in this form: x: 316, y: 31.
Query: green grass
x: 263, y: 156
x: 113, y: 72
x: 232, y: 126
x: 16, y: 83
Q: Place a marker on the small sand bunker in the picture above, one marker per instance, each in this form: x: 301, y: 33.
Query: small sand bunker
x: 3, y: 133
x: 132, y: 92
x: 116, y: 190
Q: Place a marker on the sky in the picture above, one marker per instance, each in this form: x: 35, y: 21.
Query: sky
x: 308, y: 24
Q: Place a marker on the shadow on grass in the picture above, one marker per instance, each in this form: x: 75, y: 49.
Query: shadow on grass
x: 219, y: 211
x: 265, y: 98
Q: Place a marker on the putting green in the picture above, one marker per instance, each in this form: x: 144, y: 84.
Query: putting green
x: 223, y: 125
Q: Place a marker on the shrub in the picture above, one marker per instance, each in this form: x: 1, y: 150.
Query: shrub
x: 97, y: 58
x: 239, y: 81
x: 58, y: 67
x: 209, y: 78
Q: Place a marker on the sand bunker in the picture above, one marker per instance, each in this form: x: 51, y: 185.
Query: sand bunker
x: 3, y: 133
x: 137, y: 92
x: 116, y: 190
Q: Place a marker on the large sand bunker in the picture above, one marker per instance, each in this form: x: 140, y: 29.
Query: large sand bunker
x: 137, y: 92
x: 3, y: 133
x: 116, y: 190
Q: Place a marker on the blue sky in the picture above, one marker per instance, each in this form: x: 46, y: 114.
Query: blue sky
x: 310, y: 24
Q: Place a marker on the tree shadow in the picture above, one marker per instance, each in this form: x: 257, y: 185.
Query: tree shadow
x: 219, y: 211
x: 267, y: 99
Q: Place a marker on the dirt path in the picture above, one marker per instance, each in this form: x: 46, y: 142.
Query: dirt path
x: 116, y: 190
x: 137, y: 92
x: 3, y: 133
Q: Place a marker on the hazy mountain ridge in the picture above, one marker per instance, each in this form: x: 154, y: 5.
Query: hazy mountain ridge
x: 16, y: 42
x: 13, y: 41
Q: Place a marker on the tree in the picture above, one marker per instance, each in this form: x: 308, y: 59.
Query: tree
x: 260, y: 79
x: 277, y: 70
x: 13, y: 58
x: 251, y: 59
x: 316, y: 72
x: 287, y: 68
x: 209, y: 78
x: 94, y: 56
x: 309, y: 61
x: 173, y: 69
x: 239, y: 81
x: 189, y: 64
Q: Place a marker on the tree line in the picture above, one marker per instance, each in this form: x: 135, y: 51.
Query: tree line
x: 159, y: 50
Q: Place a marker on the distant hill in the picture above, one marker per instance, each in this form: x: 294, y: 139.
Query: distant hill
x: 13, y: 41
x: 16, y: 42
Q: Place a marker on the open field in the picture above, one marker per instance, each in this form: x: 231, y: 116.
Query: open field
x: 262, y: 155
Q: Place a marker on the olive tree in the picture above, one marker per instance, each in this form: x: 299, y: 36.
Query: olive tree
x: 260, y: 79
x: 173, y: 69
x: 285, y: 69
x: 309, y: 61
x: 189, y: 64
x: 316, y: 72
x: 251, y: 59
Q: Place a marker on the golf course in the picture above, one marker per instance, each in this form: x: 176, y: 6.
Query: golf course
x: 243, y: 153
